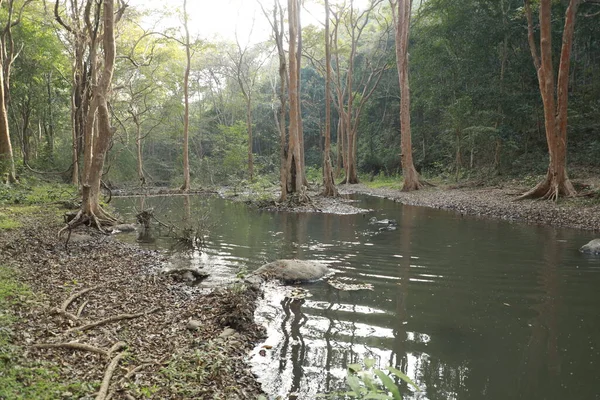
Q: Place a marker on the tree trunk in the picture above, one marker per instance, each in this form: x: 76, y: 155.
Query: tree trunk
x: 294, y: 163
x: 329, y: 189
x: 7, y: 162
x: 554, y: 97
x: 98, y: 133
x: 185, y: 187
x: 138, y: 146
x: 401, y: 16
x: 249, y: 128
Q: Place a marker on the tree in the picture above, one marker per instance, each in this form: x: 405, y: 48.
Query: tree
x: 356, y: 81
x: 7, y: 57
x: 98, y: 131
x: 277, y: 25
x: 401, y: 11
x: 329, y: 189
x: 554, y: 92
x: 186, y: 99
x: 294, y: 166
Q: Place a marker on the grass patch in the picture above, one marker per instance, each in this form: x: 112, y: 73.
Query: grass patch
x: 200, y: 373
x: 383, y: 181
x: 34, y: 191
x: 21, y: 378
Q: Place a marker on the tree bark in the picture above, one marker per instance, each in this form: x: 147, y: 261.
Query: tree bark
x: 329, y: 189
x: 185, y: 187
x: 98, y: 132
x: 401, y: 10
x: 554, y: 97
x: 294, y: 163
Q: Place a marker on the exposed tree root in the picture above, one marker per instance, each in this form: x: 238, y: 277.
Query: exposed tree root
x: 74, y: 296
x: 98, y: 219
x: 549, y: 189
x: 72, y: 345
x: 103, y: 392
x: 65, y: 314
x: 80, y: 309
x: 418, y: 184
x: 108, y: 320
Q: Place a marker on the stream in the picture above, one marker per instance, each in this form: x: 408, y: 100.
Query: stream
x: 468, y: 308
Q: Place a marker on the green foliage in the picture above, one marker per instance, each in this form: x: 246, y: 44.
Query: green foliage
x: 195, y: 374
x: 369, y: 382
x: 31, y: 191
x: 21, y: 378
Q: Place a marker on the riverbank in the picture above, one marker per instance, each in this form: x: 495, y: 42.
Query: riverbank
x: 96, y: 318
x: 497, y: 202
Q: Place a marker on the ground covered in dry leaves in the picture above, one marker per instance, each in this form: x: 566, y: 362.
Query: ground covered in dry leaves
x: 108, y: 325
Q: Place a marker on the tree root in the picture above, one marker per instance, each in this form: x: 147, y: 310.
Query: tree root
x: 108, y: 320
x: 549, y: 190
x: 74, y: 296
x: 103, y: 392
x: 98, y: 220
x: 72, y: 345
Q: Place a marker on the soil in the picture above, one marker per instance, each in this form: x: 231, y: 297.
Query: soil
x: 176, y: 341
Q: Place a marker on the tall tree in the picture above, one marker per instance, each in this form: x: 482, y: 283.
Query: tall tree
x: 329, y: 189
x: 356, y: 81
x: 75, y: 26
x: 7, y: 57
x: 100, y: 27
x: 186, y: 113
x: 277, y: 26
x: 401, y: 12
x: 555, y: 94
x: 294, y: 166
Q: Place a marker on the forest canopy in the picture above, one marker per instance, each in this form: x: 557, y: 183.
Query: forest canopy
x: 476, y: 108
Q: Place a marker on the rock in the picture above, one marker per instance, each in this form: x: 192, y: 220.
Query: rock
x: 593, y: 247
x: 227, y: 332
x: 292, y: 271
x: 193, y: 325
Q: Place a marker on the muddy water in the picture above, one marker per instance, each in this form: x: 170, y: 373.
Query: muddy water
x: 468, y: 308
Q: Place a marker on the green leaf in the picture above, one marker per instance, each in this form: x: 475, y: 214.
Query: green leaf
x: 389, y: 384
x: 355, y: 367
x: 404, y: 377
x: 380, y: 396
x: 369, y: 362
x: 366, y: 377
x: 354, y: 384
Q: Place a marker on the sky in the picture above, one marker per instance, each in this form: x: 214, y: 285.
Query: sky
x: 224, y: 18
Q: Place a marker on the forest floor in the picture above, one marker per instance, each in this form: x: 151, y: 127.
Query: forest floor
x: 497, y: 201
x: 96, y: 319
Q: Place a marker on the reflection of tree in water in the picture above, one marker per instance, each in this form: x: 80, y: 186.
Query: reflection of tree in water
x: 293, y: 313
x: 541, y: 360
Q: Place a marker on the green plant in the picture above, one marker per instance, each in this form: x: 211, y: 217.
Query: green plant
x: 369, y: 382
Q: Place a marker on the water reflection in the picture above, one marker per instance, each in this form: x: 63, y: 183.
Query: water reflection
x: 467, y: 308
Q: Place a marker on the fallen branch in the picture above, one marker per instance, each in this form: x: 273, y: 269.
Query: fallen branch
x: 71, y: 345
x: 114, y: 318
x: 107, y: 376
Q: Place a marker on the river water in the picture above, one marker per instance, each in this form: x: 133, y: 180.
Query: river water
x: 468, y: 308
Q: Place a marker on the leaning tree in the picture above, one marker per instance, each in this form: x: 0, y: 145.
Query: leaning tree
x: 100, y: 20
